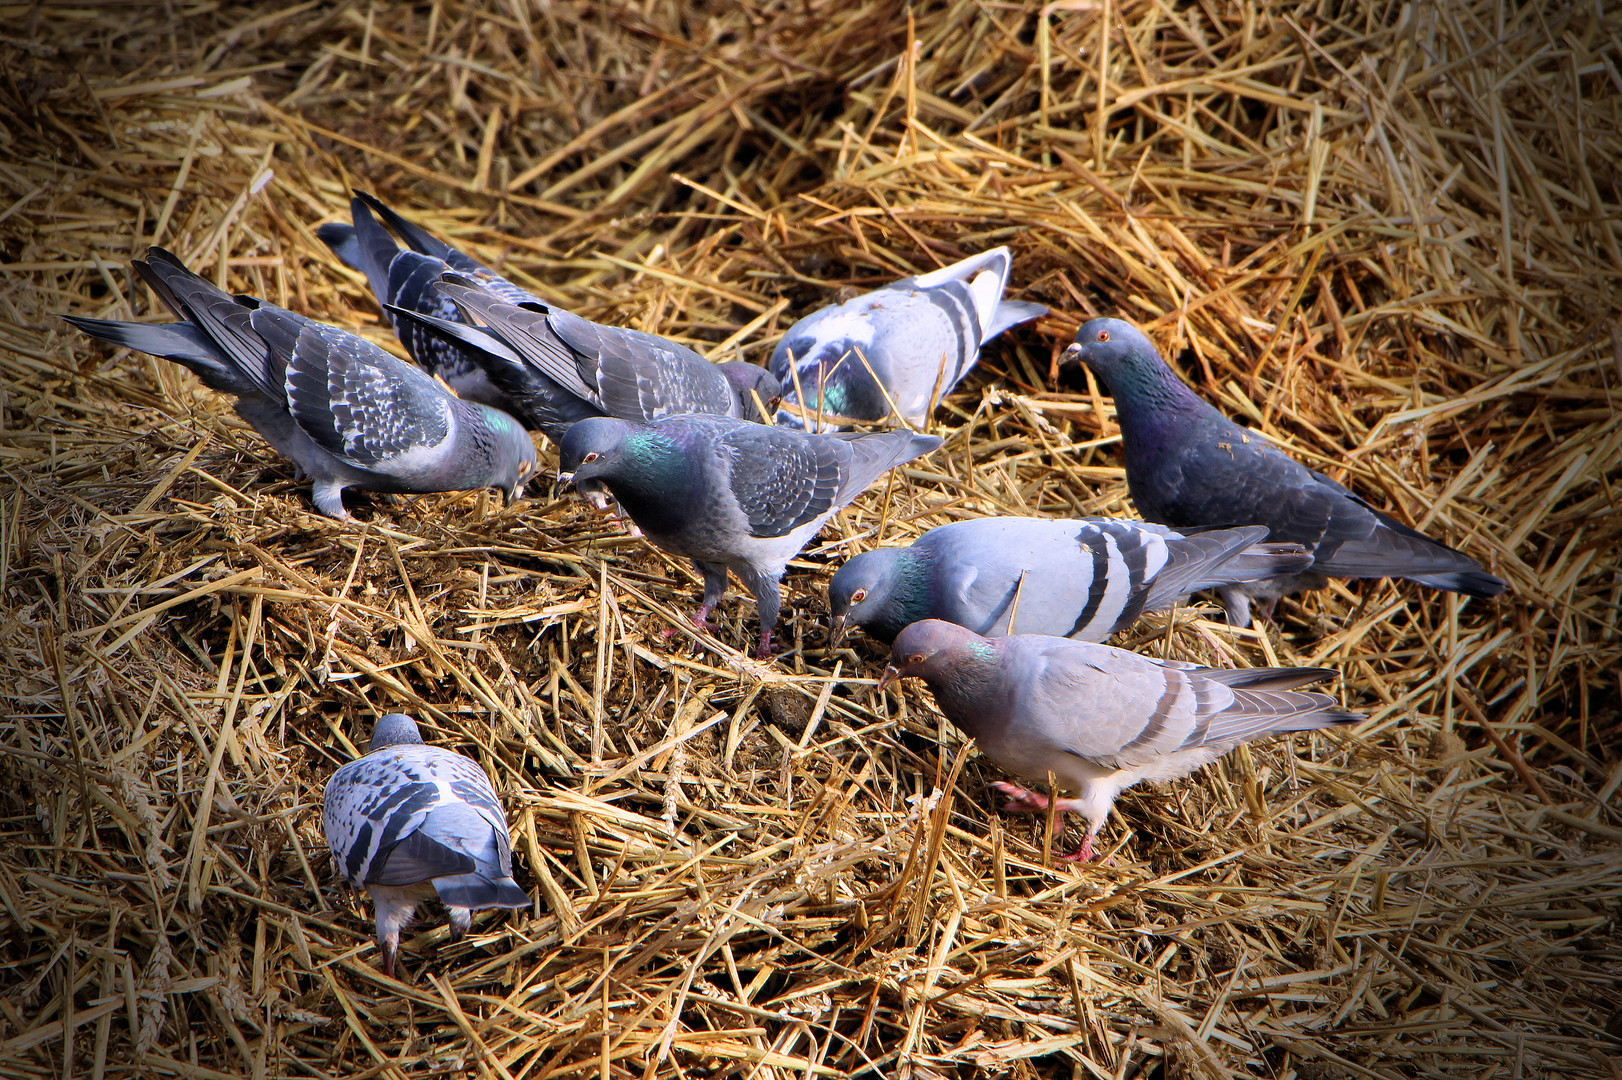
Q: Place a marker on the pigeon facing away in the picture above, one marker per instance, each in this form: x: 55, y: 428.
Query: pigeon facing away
x: 556, y: 368
x: 408, y: 278
x: 727, y: 493
x: 919, y: 335
x: 410, y: 822
x: 1187, y: 465
x: 1100, y: 719
x: 344, y: 411
x: 1082, y: 579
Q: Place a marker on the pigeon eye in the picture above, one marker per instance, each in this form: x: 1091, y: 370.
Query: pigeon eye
x: 590, y: 456
x: 916, y: 658
x: 858, y: 596
x: 1103, y: 335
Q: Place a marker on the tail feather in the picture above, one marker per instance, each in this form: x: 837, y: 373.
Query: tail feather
x: 416, y: 238
x: 476, y: 891
x: 183, y: 343
x: 875, y: 453
x: 1009, y: 314
x: 365, y: 246
x: 1469, y: 582
x: 1268, y: 678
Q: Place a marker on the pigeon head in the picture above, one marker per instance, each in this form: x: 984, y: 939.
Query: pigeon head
x: 749, y: 381
x: 395, y: 729
x: 883, y: 591
x: 939, y: 652
x: 646, y: 469
x: 512, y: 453
x: 839, y: 384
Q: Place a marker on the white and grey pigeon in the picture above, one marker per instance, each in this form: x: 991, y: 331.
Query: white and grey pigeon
x: 919, y: 336
x: 344, y: 411
x: 727, y: 493
x: 1100, y: 719
x: 410, y: 822
x: 408, y: 279
x: 556, y: 368
x: 1189, y: 466
x: 1085, y: 578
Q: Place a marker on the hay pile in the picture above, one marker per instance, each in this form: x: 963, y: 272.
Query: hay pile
x: 1387, y: 234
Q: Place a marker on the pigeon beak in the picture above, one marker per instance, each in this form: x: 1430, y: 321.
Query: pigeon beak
x: 891, y: 675
x: 836, y: 630
x: 563, y: 483
x: 1071, y: 355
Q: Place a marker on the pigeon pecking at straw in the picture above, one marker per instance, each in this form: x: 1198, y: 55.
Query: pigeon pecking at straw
x: 344, y: 411
x: 1082, y: 579
x: 906, y: 344
x: 727, y: 493
x: 1188, y: 466
x: 1098, y: 718
x: 410, y: 822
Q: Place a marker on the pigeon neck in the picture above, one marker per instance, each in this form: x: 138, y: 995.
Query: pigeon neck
x: 654, y: 484
x: 908, y: 599
x: 1152, y: 404
x: 844, y: 389
x: 964, y: 686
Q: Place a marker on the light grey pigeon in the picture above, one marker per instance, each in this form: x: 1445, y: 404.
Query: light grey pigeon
x: 556, y: 368
x: 407, y: 280
x: 1189, y: 466
x: 1082, y: 579
x: 344, y: 411
x: 727, y: 493
x: 410, y: 822
x: 1100, y: 719
x: 919, y: 336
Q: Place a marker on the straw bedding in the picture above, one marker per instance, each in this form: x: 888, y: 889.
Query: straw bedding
x: 1386, y: 234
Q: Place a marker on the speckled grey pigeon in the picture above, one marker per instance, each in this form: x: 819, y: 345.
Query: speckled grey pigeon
x: 557, y: 368
x: 919, y: 335
x: 410, y: 822
x: 344, y: 411
x: 727, y: 493
x: 1187, y: 465
x: 1082, y: 579
x: 1100, y: 719
x: 408, y: 279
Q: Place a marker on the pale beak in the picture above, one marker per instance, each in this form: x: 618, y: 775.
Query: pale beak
x: 891, y: 675
x: 563, y: 483
x: 1071, y: 355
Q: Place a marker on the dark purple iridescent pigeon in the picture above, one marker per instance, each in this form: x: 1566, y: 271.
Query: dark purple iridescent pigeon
x: 1098, y: 718
x: 344, y: 411
x: 1082, y: 579
x: 1189, y: 466
x: 410, y: 822
x: 730, y: 494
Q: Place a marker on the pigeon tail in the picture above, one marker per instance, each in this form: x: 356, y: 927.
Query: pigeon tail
x: 475, y: 891
x: 1009, y: 314
x: 183, y: 343
x: 875, y: 453
x: 1469, y: 582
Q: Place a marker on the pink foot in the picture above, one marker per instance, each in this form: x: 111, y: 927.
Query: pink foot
x: 763, y: 651
x: 700, y: 619
x: 1021, y: 801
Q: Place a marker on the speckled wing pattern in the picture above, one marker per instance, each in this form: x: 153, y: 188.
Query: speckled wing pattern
x: 644, y: 376
x: 375, y: 803
x: 354, y: 399
x: 782, y: 479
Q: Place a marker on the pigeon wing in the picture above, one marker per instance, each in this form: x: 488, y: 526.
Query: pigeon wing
x: 781, y: 479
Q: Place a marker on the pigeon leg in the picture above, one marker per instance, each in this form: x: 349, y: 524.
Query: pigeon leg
x: 393, y: 909
x: 715, y: 586
x: 1237, y: 604
x: 768, y: 602
x: 1023, y: 801
x: 461, y: 921
x: 329, y: 499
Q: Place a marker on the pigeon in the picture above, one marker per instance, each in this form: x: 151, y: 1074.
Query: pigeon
x: 556, y: 368
x: 1082, y: 579
x: 1187, y: 466
x: 408, y: 280
x: 728, y: 493
x: 410, y: 822
x: 908, y: 344
x: 344, y: 411
x: 1098, y: 718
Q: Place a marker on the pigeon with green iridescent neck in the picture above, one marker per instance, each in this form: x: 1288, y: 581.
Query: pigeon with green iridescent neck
x: 1189, y: 466
x: 908, y: 343
x: 1098, y: 718
x: 344, y: 411
x: 730, y: 494
x: 1082, y: 579
x: 410, y: 822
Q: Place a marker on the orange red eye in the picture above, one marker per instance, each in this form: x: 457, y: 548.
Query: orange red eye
x: 1103, y: 335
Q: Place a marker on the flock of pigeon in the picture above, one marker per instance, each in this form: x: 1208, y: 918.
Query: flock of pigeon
x: 737, y: 467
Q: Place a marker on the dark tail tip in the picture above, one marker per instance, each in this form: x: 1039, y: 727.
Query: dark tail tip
x: 1469, y: 582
